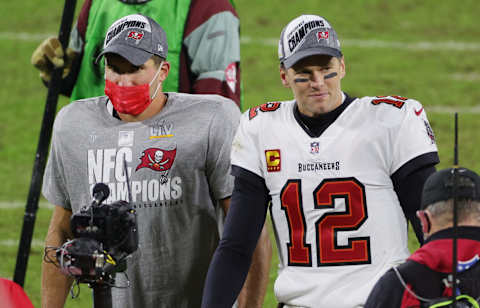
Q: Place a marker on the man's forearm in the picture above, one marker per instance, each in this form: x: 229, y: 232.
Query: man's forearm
x: 55, y: 285
x: 255, y: 287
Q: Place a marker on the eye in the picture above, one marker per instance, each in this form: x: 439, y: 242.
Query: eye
x: 303, y: 73
x: 113, y: 69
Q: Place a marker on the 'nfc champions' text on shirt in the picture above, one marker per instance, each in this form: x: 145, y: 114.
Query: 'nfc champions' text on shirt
x: 107, y: 166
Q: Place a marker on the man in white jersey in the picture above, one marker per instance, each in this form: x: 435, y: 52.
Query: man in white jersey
x: 176, y: 148
x: 342, y: 173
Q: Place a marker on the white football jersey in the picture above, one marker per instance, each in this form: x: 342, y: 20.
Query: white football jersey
x: 337, y: 219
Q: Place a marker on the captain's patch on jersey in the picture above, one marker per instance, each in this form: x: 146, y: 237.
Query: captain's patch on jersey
x: 274, y: 163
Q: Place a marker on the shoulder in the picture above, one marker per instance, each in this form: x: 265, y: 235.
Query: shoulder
x: 387, y: 110
x: 268, y: 111
x: 389, y: 281
x: 205, y: 105
x: 385, y: 104
x: 387, y: 292
x: 80, y: 111
x: 212, y: 6
x: 259, y: 119
x: 205, y: 101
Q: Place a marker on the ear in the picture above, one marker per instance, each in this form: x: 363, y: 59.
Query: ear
x: 342, y: 71
x: 164, y: 71
x: 283, y: 77
x: 425, y: 221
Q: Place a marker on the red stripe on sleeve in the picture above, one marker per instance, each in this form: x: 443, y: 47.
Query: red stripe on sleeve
x: 83, y: 19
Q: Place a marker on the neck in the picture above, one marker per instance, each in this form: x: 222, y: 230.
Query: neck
x: 469, y: 222
x: 154, y: 108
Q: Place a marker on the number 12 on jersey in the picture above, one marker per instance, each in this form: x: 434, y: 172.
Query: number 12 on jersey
x: 329, y: 253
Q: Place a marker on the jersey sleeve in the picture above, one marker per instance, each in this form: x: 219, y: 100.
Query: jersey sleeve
x: 222, y: 130
x: 212, y: 45
x: 245, y: 148
x: 413, y: 136
x: 54, y: 183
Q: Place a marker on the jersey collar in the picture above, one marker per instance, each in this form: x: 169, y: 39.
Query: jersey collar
x: 315, y: 126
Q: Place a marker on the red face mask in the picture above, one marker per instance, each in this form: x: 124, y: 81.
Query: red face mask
x: 128, y: 100
x: 131, y: 99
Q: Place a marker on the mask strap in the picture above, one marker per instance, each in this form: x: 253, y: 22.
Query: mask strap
x: 105, y: 70
x: 155, y: 77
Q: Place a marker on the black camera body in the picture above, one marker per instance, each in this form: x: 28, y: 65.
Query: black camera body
x: 114, y: 225
x: 104, y: 235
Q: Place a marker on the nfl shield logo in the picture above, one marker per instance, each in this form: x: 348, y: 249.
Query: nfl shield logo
x: 314, y: 147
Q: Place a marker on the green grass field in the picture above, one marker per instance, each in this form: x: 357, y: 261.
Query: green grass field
x: 427, y: 50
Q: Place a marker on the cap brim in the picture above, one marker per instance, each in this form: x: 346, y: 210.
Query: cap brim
x: 289, y: 62
x: 133, y: 55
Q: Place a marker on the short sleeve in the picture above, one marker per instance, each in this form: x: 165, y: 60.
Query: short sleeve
x: 246, y: 146
x: 54, y: 183
x: 221, y: 133
x: 413, y: 137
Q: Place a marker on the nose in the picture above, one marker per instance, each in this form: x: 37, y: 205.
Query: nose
x: 124, y: 80
x: 317, y: 80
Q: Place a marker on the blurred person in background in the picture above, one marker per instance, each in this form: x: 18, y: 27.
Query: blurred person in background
x: 203, y: 39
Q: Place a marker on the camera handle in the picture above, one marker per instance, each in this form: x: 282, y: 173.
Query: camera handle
x: 102, y: 294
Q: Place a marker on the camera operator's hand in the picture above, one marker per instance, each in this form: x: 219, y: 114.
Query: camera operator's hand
x: 49, y: 55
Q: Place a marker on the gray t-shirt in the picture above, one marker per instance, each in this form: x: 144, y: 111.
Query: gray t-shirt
x: 178, y: 164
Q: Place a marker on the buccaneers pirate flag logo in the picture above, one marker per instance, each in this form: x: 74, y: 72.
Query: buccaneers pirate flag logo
x: 158, y: 160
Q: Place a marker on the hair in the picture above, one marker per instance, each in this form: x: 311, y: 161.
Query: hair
x: 467, y: 209
x: 157, y: 60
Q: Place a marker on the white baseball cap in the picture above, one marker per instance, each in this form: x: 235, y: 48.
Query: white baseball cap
x: 305, y: 36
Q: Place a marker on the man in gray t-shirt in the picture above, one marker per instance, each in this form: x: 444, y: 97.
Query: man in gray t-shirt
x: 176, y: 148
